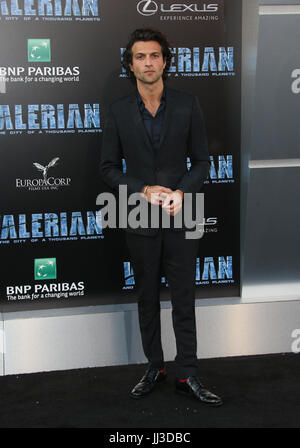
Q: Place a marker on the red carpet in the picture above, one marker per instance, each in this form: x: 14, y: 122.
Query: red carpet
x: 258, y: 392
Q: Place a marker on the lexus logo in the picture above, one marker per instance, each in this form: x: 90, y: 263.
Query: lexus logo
x: 147, y: 7
x: 150, y: 7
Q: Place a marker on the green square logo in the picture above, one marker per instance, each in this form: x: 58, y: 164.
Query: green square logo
x: 44, y: 268
x: 39, y: 50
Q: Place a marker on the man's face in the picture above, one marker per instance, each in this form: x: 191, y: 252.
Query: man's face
x: 147, y: 61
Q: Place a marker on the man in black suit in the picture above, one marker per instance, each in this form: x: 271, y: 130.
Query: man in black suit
x: 155, y: 128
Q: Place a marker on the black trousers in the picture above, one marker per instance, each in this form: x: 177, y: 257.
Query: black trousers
x: 178, y: 256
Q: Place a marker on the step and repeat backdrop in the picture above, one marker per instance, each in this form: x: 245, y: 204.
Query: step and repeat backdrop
x: 60, y: 68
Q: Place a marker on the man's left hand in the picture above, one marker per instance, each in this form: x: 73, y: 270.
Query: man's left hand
x: 173, y: 202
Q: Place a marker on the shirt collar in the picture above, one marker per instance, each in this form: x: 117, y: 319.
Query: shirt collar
x: 141, y: 102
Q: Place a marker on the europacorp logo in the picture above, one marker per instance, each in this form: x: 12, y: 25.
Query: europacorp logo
x: 39, y: 50
x: 45, y: 269
x: 45, y: 182
x: 49, y: 11
x: 181, y: 12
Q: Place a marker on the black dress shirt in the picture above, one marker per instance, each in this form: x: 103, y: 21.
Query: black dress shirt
x: 153, y: 125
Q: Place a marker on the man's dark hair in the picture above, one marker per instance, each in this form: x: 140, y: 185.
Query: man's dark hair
x: 146, y: 35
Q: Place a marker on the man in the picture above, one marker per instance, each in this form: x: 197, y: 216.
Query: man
x: 154, y: 129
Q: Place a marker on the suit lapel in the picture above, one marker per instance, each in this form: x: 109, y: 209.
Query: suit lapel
x: 170, y: 104
x: 135, y: 113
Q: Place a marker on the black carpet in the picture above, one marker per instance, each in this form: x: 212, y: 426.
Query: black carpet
x: 258, y: 392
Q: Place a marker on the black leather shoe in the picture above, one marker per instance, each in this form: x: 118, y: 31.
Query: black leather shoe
x: 148, y: 382
x: 193, y: 387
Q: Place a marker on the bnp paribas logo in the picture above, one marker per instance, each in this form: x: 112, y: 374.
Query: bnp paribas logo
x: 39, y: 50
x: 45, y: 268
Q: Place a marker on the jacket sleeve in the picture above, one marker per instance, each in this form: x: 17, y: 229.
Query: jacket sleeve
x: 193, y: 180
x: 111, y: 159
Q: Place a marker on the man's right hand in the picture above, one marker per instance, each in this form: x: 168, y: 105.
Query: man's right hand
x: 155, y: 194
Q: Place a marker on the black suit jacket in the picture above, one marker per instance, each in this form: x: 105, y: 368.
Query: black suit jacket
x: 183, y: 134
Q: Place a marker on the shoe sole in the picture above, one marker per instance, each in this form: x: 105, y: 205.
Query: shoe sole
x: 191, y: 395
